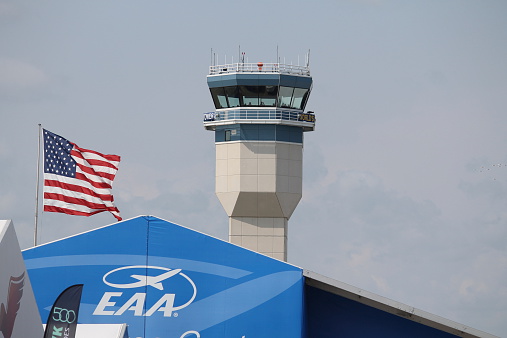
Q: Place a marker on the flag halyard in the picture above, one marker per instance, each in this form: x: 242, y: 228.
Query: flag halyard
x: 77, y: 181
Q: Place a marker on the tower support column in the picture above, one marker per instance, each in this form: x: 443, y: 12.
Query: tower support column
x: 266, y: 235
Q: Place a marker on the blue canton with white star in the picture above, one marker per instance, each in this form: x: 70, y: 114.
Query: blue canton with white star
x: 57, y: 159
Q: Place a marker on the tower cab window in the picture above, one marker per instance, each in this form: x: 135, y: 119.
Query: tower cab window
x: 299, y: 98
x: 259, y: 96
x: 285, y: 97
x: 249, y: 95
x: 267, y: 95
x: 233, y: 96
x: 219, y: 97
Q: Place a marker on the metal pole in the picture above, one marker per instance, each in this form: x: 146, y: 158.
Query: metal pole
x: 37, y: 188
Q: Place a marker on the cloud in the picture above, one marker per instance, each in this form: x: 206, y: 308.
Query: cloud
x: 180, y: 194
x: 381, y: 283
x: 16, y: 75
x: 470, y: 288
x: 493, y: 187
x: 137, y: 180
x: 377, y: 238
x: 151, y: 179
x: 360, y: 257
x: 374, y: 228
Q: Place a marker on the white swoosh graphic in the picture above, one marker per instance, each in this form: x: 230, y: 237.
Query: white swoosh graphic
x: 93, y: 260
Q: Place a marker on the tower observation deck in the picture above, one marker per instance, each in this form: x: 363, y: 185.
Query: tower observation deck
x: 259, y: 121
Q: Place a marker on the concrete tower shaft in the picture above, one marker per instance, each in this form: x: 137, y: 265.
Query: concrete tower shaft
x: 259, y: 124
x: 259, y: 179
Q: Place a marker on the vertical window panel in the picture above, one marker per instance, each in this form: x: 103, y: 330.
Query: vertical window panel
x: 285, y: 96
x: 298, y: 98
x: 249, y: 95
x: 233, y: 97
x: 267, y: 95
x: 219, y: 98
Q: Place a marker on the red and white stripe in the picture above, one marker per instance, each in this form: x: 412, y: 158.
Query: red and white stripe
x: 89, y: 192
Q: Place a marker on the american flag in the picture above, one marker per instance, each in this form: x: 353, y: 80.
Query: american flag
x: 77, y: 181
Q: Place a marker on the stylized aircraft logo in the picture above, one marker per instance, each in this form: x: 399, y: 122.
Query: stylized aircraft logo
x: 136, y: 302
x: 8, y: 316
x: 142, y: 280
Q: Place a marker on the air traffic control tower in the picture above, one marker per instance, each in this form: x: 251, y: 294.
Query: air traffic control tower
x: 259, y: 122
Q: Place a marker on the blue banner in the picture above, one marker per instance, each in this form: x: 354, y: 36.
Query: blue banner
x: 165, y: 280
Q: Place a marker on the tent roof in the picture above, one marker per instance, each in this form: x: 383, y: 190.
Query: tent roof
x: 385, y: 304
x: 364, y: 297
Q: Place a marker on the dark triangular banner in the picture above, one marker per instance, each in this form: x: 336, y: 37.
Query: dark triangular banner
x: 62, y: 320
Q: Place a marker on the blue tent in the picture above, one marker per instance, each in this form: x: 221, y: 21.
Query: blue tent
x: 165, y: 281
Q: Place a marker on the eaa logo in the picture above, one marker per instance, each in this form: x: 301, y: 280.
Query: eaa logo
x: 147, y: 279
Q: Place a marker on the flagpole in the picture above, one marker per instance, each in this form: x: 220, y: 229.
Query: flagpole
x: 37, y: 188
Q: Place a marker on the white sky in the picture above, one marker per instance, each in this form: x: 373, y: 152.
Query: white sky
x: 410, y: 99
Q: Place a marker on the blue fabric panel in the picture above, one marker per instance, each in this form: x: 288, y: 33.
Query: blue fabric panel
x: 84, y: 259
x: 165, y: 280
x: 329, y: 316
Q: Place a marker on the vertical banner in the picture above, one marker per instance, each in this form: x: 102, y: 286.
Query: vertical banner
x: 62, y: 319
